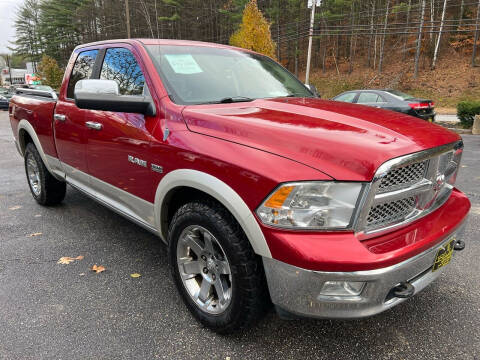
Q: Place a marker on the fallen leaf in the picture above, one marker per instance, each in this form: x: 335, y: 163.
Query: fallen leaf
x: 35, y: 234
x: 135, y: 275
x: 98, y: 269
x: 67, y: 259
x: 16, y: 207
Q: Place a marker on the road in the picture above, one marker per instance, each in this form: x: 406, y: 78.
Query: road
x: 53, y: 311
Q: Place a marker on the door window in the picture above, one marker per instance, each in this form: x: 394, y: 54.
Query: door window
x: 82, y: 69
x: 367, y: 97
x: 348, y: 97
x: 120, y: 65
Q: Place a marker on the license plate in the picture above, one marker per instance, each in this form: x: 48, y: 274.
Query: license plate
x: 444, y: 254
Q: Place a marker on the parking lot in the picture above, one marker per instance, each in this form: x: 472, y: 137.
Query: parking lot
x: 55, y: 311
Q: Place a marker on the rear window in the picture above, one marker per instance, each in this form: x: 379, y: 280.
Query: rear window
x: 82, y: 69
x: 348, y: 97
x: 400, y: 94
x: 366, y: 97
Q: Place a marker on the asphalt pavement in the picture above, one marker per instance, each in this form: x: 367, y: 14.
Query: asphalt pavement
x: 55, y: 311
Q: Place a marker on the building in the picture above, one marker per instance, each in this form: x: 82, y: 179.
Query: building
x: 17, y: 76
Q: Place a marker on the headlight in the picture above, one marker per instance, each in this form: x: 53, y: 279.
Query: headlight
x: 311, y: 205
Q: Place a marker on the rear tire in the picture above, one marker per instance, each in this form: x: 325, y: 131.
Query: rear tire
x: 45, y: 189
x: 210, y: 254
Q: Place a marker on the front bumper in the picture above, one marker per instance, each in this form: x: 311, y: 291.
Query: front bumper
x: 297, y: 291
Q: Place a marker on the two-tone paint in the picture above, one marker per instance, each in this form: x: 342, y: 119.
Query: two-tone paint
x: 236, y: 153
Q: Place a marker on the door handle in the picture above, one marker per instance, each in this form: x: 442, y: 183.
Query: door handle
x: 93, y: 125
x: 59, y: 117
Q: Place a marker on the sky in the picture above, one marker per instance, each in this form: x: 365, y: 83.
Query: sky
x: 7, y: 18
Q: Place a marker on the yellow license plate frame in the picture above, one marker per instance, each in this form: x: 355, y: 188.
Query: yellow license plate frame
x: 444, y: 254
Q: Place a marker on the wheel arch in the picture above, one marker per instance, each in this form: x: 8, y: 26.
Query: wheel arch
x: 202, y: 183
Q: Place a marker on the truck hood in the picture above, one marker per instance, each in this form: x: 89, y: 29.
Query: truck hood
x: 344, y: 141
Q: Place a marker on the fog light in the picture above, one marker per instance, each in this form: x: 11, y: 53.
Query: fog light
x: 342, y: 288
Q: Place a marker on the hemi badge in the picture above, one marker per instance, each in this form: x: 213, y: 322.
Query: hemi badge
x: 157, y: 168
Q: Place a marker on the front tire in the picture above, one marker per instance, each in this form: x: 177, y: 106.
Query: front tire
x: 45, y: 189
x: 216, y: 272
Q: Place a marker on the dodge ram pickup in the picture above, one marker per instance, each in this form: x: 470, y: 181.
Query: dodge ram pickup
x: 262, y: 192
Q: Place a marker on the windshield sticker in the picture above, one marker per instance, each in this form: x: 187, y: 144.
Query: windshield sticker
x: 183, y: 63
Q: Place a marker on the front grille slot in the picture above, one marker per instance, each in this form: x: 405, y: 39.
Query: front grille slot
x: 407, y: 188
x: 391, y: 212
x: 403, y: 177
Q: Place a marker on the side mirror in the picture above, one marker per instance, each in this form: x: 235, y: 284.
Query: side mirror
x: 104, y: 95
x: 313, y: 89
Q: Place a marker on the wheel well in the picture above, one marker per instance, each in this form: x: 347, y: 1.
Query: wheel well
x: 177, y: 197
x: 24, y: 138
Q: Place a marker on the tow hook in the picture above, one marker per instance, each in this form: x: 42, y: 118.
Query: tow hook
x: 459, y: 245
x: 404, y: 290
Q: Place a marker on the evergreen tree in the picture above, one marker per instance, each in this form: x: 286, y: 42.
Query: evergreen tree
x: 50, y: 72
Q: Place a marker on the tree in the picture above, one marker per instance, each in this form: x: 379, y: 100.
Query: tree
x: 382, y: 47
x: 435, y: 54
x: 475, y: 38
x: 254, y: 32
x: 50, y: 72
x: 419, y: 38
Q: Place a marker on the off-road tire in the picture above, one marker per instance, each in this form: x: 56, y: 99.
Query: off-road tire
x: 249, y: 291
x: 52, y: 191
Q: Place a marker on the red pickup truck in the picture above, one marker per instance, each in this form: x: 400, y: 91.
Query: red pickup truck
x: 262, y: 192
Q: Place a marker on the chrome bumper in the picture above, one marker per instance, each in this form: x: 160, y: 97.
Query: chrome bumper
x: 296, y: 291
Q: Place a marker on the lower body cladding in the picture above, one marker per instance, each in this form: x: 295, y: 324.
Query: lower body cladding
x: 347, y: 295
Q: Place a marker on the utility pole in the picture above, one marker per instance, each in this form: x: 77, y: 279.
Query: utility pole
x: 9, y: 68
x: 127, y: 13
x: 310, y: 36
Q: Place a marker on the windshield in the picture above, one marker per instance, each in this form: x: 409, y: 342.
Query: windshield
x: 400, y: 94
x: 200, y: 74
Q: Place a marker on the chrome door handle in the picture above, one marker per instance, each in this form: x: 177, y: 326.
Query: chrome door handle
x: 93, y: 125
x: 59, y: 117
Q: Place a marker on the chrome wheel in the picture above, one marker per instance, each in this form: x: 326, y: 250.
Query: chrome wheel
x: 204, y: 269
x: 33, y: 174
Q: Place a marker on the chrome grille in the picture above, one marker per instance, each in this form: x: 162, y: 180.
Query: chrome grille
x: 409, y: 187
x: 403, y: 177
x: 390, y: 212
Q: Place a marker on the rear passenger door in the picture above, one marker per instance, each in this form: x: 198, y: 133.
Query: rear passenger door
x: 117, y: 152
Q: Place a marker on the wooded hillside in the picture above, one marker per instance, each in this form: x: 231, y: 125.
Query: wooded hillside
x: 370, y: 33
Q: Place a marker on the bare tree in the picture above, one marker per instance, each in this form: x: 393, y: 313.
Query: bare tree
x: 435, y: 54
x: 370, y: 38
x: 406, y: 30
x: 460, y: 16
x: 419, y: 38
x: 475, y: 38
x: 382, y: 47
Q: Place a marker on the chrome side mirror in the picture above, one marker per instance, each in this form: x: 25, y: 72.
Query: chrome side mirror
x: 94, y: 94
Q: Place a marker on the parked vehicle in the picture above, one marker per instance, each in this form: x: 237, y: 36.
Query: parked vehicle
x: 391, y: 100
x: 4, y: 98
x: 261, y: 191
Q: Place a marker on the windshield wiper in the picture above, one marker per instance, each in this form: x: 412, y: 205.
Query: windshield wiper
x: 231, y: 99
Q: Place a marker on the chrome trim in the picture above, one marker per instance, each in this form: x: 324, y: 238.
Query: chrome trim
x: 59, y: 117
x: 373, y: 197
x: 93, y: 125
x: 297, y: 290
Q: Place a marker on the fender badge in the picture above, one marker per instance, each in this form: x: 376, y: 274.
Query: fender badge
x: 157, y: 168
